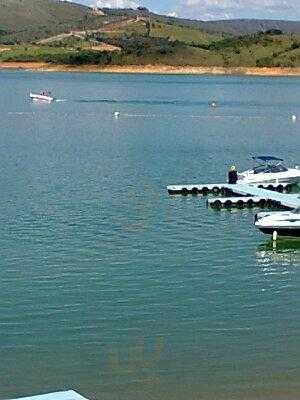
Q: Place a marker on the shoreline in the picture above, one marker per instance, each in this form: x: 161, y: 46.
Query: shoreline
x: 151, y: 69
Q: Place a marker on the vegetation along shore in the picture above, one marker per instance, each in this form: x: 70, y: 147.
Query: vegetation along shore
x: 51, y: 35
x: 151, y: 69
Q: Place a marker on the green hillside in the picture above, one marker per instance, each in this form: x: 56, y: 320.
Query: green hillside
x: 28, y: 20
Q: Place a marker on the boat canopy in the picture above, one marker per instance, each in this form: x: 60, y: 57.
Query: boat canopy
x: 267, y: 158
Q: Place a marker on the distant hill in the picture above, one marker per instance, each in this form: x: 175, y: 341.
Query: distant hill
x: 28, y: 20
x: 250, y: 26
x: 234, y: 26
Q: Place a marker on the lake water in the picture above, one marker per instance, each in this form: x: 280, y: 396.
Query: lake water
x: 110, y: 286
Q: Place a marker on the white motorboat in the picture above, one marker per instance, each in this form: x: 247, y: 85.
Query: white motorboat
x: 42, y: 96
x: 285, y: 223
x: 271, y: 170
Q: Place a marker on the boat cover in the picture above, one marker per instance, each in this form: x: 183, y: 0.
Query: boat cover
x: 267, y: 158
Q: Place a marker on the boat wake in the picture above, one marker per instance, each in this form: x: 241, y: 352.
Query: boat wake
x: 146, y: 102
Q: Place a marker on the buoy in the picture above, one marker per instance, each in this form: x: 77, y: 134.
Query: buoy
x: 280, y: 188
x: 218, y: 204
x: 205, y: 191
x: 184, y: 191
x: 228, y: 203
x: 294, y: 118
x: 274, y: 240
x: 116, y: 114
x: 250, y: 203
x: 274, y: 237
x: 240, y: 203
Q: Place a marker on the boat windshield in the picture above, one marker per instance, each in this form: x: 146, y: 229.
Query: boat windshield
x: 270, y: 169
x: 259, y: 169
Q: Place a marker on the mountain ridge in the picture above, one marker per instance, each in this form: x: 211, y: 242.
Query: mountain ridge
x: 29, y: 20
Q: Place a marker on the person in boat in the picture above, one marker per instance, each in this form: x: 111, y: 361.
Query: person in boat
x: 232, y: 175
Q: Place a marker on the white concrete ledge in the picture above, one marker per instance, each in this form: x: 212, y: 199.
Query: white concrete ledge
x: 67, y: 395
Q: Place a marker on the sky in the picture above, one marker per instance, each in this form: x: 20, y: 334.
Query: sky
x: 213, y: 9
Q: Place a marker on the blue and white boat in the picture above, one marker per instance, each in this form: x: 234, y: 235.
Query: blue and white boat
x: 270, y: 170
x: 285, y: 223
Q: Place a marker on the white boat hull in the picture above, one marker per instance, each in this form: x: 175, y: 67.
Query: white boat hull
x: 284, y: 223
x: 40, y: 97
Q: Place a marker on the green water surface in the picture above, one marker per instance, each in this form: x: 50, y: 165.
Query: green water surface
x: 113, y: 288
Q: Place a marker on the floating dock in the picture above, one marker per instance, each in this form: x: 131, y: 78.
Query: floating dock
x: 201, y: 189
x: 241, y: 202
x: 223, y: 188
x: 241, y: 195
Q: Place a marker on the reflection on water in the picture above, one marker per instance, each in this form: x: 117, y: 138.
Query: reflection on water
x: 137, y: 357
x: 284, y: 252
